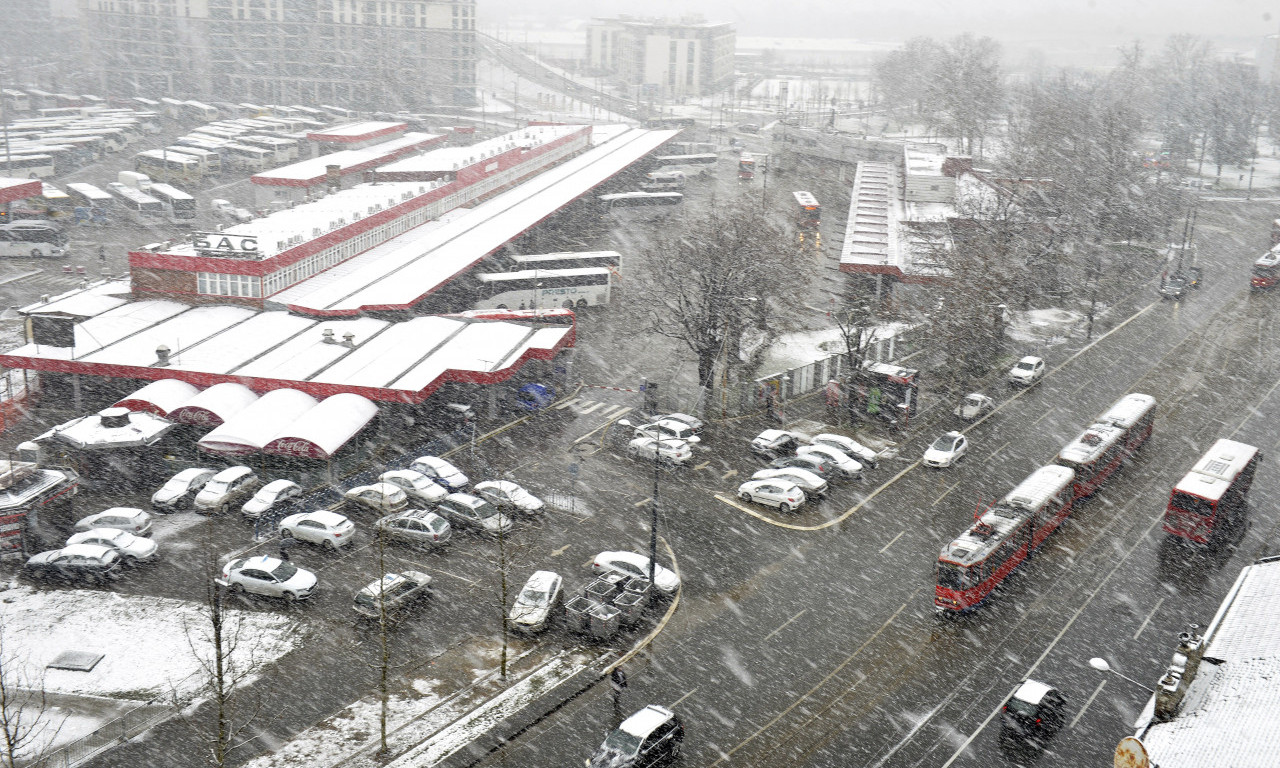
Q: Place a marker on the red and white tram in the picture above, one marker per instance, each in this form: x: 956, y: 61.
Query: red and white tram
x: 1102, y: 448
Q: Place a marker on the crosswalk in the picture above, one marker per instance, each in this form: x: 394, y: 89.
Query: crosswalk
x: 584, y: 406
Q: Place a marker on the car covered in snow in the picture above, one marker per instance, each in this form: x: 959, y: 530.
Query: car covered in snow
x: 465, y: 510
x: 267, y: 576
x: 774, y: 492
x: 946, y: 450
x: 76, y: 562
x: 231, y: 486
x: 1027, y: 371
x: 416, y: 526
x: 505, y: 494
x: 670, y: 450
x: 181, y: 489
x: 418, y: 487
x: 778, y: 442
x: 537, y: 601
x: 974, y: 406
x: 636, y: 566
x: 845, y: 466
x: 849, y: 447
x: 272, y: 497
x: 392, y: 594
x: 383, y: 498
x: 131, y: 549
x: 127, y: 519
x: 811, y: 484
x: 441, y: 471
x: 323, y: 527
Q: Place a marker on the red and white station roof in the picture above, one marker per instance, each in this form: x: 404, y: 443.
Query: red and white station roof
x: 384, y: 361
x: 12, y: 190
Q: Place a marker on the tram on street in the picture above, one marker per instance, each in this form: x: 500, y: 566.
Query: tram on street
x: 1105, y: 445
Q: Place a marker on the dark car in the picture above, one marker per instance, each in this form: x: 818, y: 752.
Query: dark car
x: 1175, y: 286
x: 1193, y: 276
x: 1032, y: 715
x: 815, y: 464
x: 76, y: 562
x: 652, y: 736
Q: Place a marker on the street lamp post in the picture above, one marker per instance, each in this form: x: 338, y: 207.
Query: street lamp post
x: 782, y: 399
x: 1102, y: 666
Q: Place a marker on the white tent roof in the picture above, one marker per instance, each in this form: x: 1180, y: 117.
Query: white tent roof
x: 160, y: 397
x: 249, y: 430
x: 215, y: 405
x: 321, y: 431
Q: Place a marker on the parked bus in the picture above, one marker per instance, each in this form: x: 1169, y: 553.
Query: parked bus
x: 709, y: 158
x: 177, y: 204
x: 143, y: 206
x: 249, y: 158
x: 663, y: 181
x: 544, y: 288
x: 96, y: 143
x: 173, y: 108
x: 670, y: 122
x: 32, y: 239
x: 26, y: 166
x: 282, y: 150
x: 198, y: 110
x: 975, y: 563
x: 15, y: 101
x: 88, y: 196
x: 808, y: 214
x: 1209, y: 502
x: 611, y: 260
x: 639, y: 199
x: 210, y: 161
x: 252, y: 110
x: 201, y: 141
x: 149, y: 104
x: 168, y: 166
x: 1102, y: 448
x: 1266, y: 271
x: 340, y: 112
x: 746, y: 167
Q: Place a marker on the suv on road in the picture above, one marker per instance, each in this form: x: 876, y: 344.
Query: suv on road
x: 1033, y: 714
x: 649, y: 737
x: 1028, y: 371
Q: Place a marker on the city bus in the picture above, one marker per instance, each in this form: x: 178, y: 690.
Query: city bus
x: 111, y: 139
x: 198, y: 110
x: 663, y: 181
x: 32, y: 239
x: 709, y: 158
x: 15, y: 101
x: 150, y: 104
x: 210, y: 161
x: 544, y: 288
x: 88, y: 196
x: 26, y: 166
x: 1210, y: 502
x: 144, y: 207
x: 177, y: 204
x: 207, y: 143
x: 970, y: 567
x: 162, y: 165
x: 808, y: 214
x: 282, y: 150
x: 639, y: 199
x: 746, y: 167
x: 249, y: 158
x: 1102, y: 448
x: 172, y: 108
x: 339, y: 112
x: 90, y: 142
x: 1266, y: 271
x: 611, y: 260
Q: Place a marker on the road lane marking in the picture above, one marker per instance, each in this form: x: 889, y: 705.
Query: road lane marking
x: 820, y: 683
x: 784, y: 624
x: 566, y: 403
x: 703, y: 465
x: 1037, y: 421
x: 944, y: 494
x: 998, y: 450
x: 682, y: 698
x: 613, y: 411
x: 1080, y: 714
x: 609, y: 422
x: 560, y: 551
x: 729, y: 474
x: 643, y: 501
x: 589, y: 410
x: 1148, y: 619
x: 895, y: 538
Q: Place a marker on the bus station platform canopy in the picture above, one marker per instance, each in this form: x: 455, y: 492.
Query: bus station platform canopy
x: 381, y: 360
x: 13, y: 190
x: 352, y: 133
x: 321, y: 431
x: 160, y: 397
x: 309, y: 173
x: 251, y: 429
x: 877, y: 241
x: 404, y: 270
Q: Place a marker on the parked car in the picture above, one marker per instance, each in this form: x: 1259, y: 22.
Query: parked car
x: 775, y: 492
x: 441, y: 471
x: 1194, y: 277
x: 636, y: 566
x: 845, y: 466
x: 463, y: 509
x: 231, y: 486
x: 505, y: 494
x: 1033, y: 714
x: 1027, y: 371
x: 818, y: 465
x: 777, y: 442
x: 418, y: 487
x: 416, y: 526
x: 849, y: 447
x: 76, y: 562
x: 652, y: 736
x: 131, y: 549
x: 181, y: 490
x: 669, y: 450
x: 267, y: 576
x: 383, y: 498
x: 663, y: 429
x: 275, y: 495
x: 694, y: 423
x: 393, y: 593
x: 537, y: 602
x: 127, y: 519
x: 811, y: 484
x: 946, y: 450
x: 325, y: 528
x: 1174, y: 286
x: 748, y: 128
x: 974, y: 406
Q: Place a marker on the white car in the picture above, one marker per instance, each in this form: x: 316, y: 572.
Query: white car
x: 392, y: 594
x: 777, y: 442
x: 541, y: 595
x: 181, y: 489
x: 273, y: 495
x: 384, y: 498
x: 843, y: 464
x: 267, y: 576
x: 131, y: 549
x: 636, y: 566
x: 776, y: 492
x: 665, y: 428
x: 670, y: 449
x: 505, y: 494
x: 328, y: 529
x: 974, y: 405
x: 127, y: 519
x: 417, y: 486
x: 224, y: 490
x: 811, y: 484
x: 463, y: 509
x: 441, y: 472
x: 417, y: 526
x: 694, y: 422
x: 1027, y: 371
x: 849, y: 447
x: 946, y: 450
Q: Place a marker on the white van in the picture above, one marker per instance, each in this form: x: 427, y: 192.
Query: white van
x: 139, y: 181
x: 663, y: 181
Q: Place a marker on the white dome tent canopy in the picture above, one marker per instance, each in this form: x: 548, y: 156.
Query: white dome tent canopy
x: 251, y: 429
x: 322, y: 431
x: 161, y: 397
x: 212, y: 407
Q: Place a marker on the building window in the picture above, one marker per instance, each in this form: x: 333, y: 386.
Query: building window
x: 217, y: 284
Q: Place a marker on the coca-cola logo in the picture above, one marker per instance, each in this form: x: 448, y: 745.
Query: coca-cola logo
x: 197, y: 417
x: 295, y: 446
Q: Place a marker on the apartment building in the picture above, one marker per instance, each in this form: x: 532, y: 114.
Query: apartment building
x: 668, y: 58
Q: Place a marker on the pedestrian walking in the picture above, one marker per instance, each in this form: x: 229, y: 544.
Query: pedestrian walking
x: 286, y: 543
x: 102, y: 253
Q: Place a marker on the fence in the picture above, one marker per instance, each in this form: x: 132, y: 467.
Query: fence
x: 118, y: 731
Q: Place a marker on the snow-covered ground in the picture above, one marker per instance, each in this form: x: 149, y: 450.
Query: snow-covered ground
x: 1045, y: 326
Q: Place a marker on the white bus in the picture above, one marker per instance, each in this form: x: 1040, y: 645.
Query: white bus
x: 150, y: 104
x: 163, y: 165
x: 283, y: 150
x: 28, y: 166
x: 16, y: 101
x: 609, y: 259
x: 210, y: 160
x: 221, y: 134
x: 101, y: 145
x: 173, y: 108
x: 639, y: 199
x: 663, y: 181
x: 89, y: 196
x: 544, y: 288
x: 177, y: 204
x: 342, y: 112
x: 143, y: 206
x: 250, y: 158
x: 200, y: 111
x: 32, y: 239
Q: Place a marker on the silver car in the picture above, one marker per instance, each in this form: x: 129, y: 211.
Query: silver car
x: 419, y: 488
x: 379, y: 497
x: 392, y: 594
x: 505, y: 494
x: 127, y: 519
x: 471, y: 511
x: 181, y: 489
x: 849, y: 447
x: 274, y: 495
x: 131, y: 549
x: 416, y: 526
x: 226, y: 489
x: 811, y: 484
x: 537, y: 602
x: 846, y: 466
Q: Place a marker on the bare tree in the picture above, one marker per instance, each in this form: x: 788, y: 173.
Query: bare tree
x: 24, y: 711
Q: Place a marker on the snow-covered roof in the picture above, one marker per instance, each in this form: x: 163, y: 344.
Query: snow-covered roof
x: 12, y: 189
x: 159, y: 397
x: 215, y: 405
x: 447, y: 159
x: 402, y: 271
x: 361, y: 131
x: 321, y: 431
x: 251, y: 429
x: 110, y: 428
x: 214, y: 344
x: 1229, y: 711
x: 313, y: 171
x: 875, y: 240
x: 1217, y: 469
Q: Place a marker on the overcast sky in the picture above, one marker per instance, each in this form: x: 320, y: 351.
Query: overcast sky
x: 1027, y: 21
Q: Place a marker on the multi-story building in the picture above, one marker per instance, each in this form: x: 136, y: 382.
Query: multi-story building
x: 389, y: 54
x: 670, y: 58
